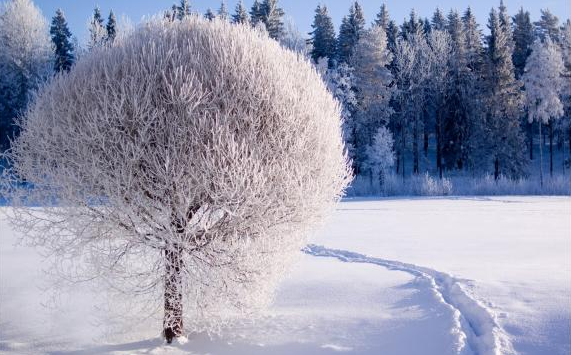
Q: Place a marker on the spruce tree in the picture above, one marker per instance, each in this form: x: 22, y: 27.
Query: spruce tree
x: 209, y: 14
x: 548, y: 26
x: 272, y: 17
x: 323, y: 36
x: 183, y: 10
x: 392, y: 35
x: 240, y: 15
x: 383, y: 19
x: 111, y: 27
x: 223, y: 11
x: 438, y: 20
x: 352, y: 26
x: 97, y: 32
x: 413, y: 27
x: 256, y: 15
x: 523, y: 39
x: 505, y: 145
x: 61, y: 38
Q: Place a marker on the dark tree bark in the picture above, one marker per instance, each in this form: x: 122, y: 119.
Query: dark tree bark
x: 173, y: 323
x: 530, y: 139
x: 551, y: 148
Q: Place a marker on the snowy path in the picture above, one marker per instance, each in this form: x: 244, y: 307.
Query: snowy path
x: 474, y: 324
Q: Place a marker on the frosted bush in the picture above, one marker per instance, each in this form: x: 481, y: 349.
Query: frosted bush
x: 185, y: 163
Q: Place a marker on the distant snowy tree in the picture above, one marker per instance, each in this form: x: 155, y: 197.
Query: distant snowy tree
x: 438, y: 20
x: 373, y: 82
x: 548, y: 26
x: 161, y: 197
x: 111, y: 27
x: 272, y: 16
x: 380, y: 154
x: 97, y: 31
x: 383, y: 19
x: 209, y: 14
x: 256, y: 14
x: 341, y: 82
x: 566, y: 54
x: 352, y: 26
x: 292, y: 39
x: 183, y: 9
x: 543, y: 87
x: 322, y: 36
x: 61, y: 38
x: 26, y: 60
x: 414, y: 27
x: 523, y: 39
x: 223, y: 11
x: 505, y: 142
x: 240, y: 14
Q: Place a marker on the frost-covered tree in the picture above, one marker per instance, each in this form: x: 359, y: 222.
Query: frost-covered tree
x: 548, y: 26
x: 380, y: 154
x: 341, y: 83
x: 439, y: 77
x: 272, y: 16
x: 352, y: 26
x: 97, y: 31
x: 26, y: 60
x: 523, y: 39
x: 414, y: 27
x: 566, y: 54
x: 292, y: 39
x: 183, y: 9
x: 323, y: 36
x: 504, y: 140
x: 240, y: 14
x: 111, y: 27
x: 61, y: 38
x: 383, y: 18
x: 196, y: 186
x: 223, y: 11
x: 209, y: 14
x: 256, y: 14
x: 543, y: 87
x: 438, y: 20
x: 373, y: 82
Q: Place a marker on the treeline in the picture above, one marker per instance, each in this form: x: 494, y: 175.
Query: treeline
x: 482, y: 98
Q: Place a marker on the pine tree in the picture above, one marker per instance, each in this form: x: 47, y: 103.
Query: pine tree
x: 256, y: 14
x: 323, y: 36
x: 209, y: 14
x: 272, y: 17
x: 438, y: 20
x: 426, y: 26
x: 240, y: 15
x: 548, y: 26
x: 543, y: 88
x: 111, y: 27
x: 413, y: 27
x: 183, y: 10
x: 392, y: 35
x: 97, y: 32
x: 352, y: 26
x: 504, y: 139
x: 223, y: 11
x: 61, y: 38
x: 383, y: 19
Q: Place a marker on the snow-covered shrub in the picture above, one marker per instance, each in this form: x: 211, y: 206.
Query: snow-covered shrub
x: 435, y: 187
x: 187, y: 161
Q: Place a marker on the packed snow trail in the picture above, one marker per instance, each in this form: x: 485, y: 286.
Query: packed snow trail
x: 474, y: 325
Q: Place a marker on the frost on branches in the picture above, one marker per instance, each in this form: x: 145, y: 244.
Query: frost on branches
x: 185, y: 162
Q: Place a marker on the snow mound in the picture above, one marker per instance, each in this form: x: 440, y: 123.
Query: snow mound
x: 475, y: 325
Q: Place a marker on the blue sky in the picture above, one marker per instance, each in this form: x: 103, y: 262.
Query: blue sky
x: 302, y: 11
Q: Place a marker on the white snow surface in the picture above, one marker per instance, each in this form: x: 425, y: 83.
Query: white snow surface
x: 469, y: 276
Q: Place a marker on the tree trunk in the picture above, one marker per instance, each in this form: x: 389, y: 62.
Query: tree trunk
x: 172, y: 323
x: 551, y: 148
x: 530, y: 138
x: 438, y: 144
x: 403, y: 145
x: 540, y: 156
x: 415, y: 151
x: 497, y: 169
x: 425, y: 143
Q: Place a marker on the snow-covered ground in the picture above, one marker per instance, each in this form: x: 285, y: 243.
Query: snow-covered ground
x: 403, y: 276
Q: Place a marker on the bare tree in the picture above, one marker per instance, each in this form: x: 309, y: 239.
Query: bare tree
x: 187, y: 161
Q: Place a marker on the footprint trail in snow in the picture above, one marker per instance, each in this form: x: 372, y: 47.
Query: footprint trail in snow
x: 475, y: 325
